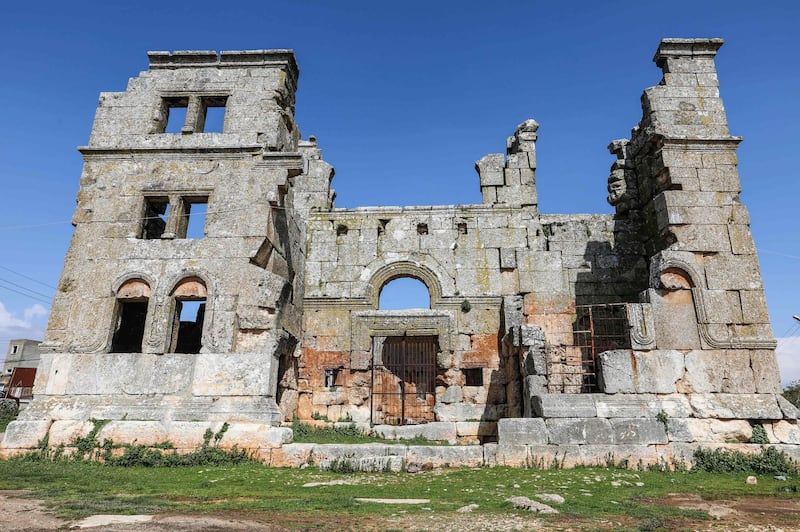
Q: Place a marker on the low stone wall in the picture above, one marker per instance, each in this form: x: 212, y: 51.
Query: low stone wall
x: 523, y: 442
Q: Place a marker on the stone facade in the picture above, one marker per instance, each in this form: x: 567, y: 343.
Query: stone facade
x: 640, y: 333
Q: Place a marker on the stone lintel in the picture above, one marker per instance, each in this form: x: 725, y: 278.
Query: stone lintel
x: 282, y: 58
x: 687, y: 48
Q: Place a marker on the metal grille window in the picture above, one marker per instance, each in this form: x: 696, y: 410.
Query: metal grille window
x: 571, y: 354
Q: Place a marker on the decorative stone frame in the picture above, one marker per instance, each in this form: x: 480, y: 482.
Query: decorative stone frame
x: 370, y: 323
x: 687, y: 263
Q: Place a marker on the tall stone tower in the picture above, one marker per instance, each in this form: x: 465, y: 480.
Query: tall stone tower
x: 183, y: 281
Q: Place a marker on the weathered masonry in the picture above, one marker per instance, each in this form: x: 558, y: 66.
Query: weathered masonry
x: 210, y: 279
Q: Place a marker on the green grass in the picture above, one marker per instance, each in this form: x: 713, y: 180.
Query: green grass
x: 75, y: 489
x: 305, y: 433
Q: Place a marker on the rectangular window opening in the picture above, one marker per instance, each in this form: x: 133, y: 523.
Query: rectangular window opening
x: 14, y: 349
x: 156, y: 213
x: 189, y: 317
x: 194, y: 217
x: 129, y: 333
x: 334, y: 377
x: 473, y: 376
x: 175, y: 110
x: 213, y: 119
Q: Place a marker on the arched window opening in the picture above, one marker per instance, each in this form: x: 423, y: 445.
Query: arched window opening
x: 404, y: 293
x: 133, y: 298
x: 188, y: 317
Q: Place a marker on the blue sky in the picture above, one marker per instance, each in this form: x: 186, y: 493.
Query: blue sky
x: 403, y: 98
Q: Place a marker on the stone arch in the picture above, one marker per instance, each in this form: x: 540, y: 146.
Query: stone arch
x: 120, y: 281
x: 682, y: 264
x: 168, y: 287
x: 396, y: 270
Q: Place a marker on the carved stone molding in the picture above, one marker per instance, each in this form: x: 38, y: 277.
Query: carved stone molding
x: 367, y: 324
x: 643, y: 328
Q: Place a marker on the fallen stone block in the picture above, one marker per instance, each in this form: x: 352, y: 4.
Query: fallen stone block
x: 524, y: 503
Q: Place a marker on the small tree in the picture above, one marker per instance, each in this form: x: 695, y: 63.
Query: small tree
x: 792, y: 393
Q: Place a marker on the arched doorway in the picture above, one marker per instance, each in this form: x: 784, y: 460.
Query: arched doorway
x: 404, y: 366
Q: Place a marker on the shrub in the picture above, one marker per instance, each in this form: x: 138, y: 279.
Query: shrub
x: 769, y: 460
x: 759, y: 435
x: 8, y: 408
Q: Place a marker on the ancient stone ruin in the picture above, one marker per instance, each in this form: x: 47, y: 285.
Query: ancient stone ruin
x: 210, y: 279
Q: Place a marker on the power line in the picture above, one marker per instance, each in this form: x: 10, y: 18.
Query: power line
x: 12, y: 283
x: 20, y: 292
x: 770, y: 252
x: 28, y: 278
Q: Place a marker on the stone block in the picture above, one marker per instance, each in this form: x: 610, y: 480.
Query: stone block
x: 437, y: 431
x: 674, y: 406
x: 453, y: 394
x: 616, y: 374
x: 733, y: 272
x: 521, y: 431
x: 564, y: 406
x: 766, y: 375
x: 512, y: 455
x: 365, y: 464
x: 735, y: 406
x: 232, y: 374
x: 621, y: 405
x: 463, y: 412
x: 601, y: 455
x: 554, y: 456
x: 679, y: 430
x: 255, y: 436
x: 579, y: 431
x: 658, y: 371
x: 722, y: 306
x: 455, y: 456
x: 332, y: 451
x: 476, y: 428
x: 718, y: 371
x: 638, y: 431
x: 787, y: 432
x: 790, y: 411
x: 66, y: 431
x: 490, y: 454
x: 675, y: 319
x: 292, y: 455
x: 188, y: 434
x: 531, y: 335
x: 142, y: 432
x: 719, y: 430
x: 24, y: 434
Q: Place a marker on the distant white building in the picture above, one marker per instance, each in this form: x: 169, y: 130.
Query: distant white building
x: 22, y: 353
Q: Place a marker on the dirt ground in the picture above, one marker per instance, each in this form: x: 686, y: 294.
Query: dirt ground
x: 19, y: 513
